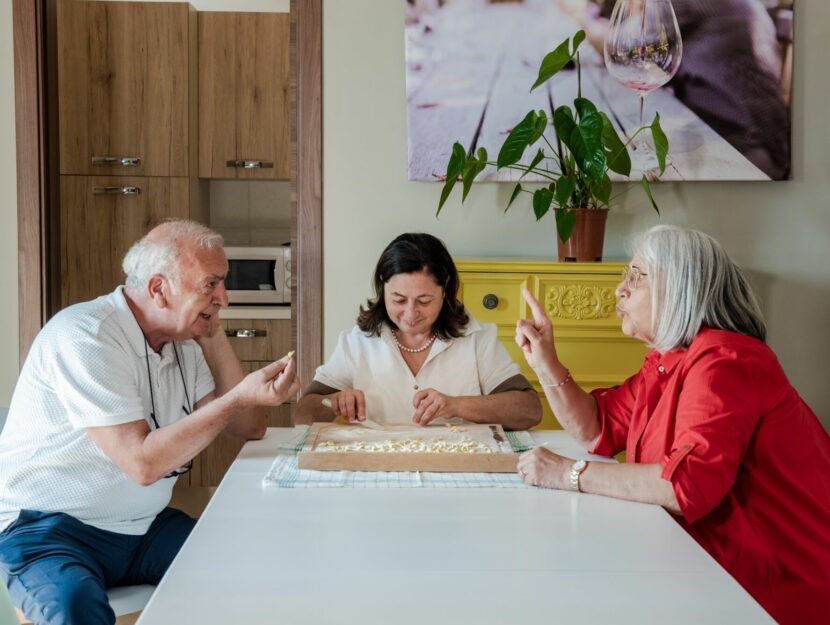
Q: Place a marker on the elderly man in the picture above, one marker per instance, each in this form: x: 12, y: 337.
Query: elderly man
x: 115, y: 399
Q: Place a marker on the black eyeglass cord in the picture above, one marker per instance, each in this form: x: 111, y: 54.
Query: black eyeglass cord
x: 150, y: 382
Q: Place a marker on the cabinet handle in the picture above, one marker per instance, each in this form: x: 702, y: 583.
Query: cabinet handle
x: 251, y: 164
x: 246, y: 333
x: 116, y: 190
x: 124, y: 161
x: 490, y: 301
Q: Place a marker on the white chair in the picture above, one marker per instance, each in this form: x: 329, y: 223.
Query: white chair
x: 125, y: 600
x: 7, y: 611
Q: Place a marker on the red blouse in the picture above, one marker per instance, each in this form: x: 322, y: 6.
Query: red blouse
x: 748, y: 460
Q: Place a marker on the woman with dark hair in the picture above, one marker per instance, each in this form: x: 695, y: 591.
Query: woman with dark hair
x: 416, y: 355
x: 713, y: 430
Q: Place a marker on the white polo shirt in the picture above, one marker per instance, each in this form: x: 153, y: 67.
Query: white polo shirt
x: 473, y: 364
x: 87, y: 368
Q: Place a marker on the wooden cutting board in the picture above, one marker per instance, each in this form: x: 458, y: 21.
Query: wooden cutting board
x: 347, y: 447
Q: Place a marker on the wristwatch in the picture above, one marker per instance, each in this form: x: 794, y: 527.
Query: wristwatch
x: 573, y: 476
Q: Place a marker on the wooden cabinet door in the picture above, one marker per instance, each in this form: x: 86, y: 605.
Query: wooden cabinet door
x: 244, y: 95
x: 262, y: 93
x: 99, y: 224
x: 217, y: 94
x: 123, y: 86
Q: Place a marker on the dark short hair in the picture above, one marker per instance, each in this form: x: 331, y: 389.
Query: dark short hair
x: 411, y: 253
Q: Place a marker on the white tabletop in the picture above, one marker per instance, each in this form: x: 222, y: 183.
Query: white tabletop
x: 409, y: 555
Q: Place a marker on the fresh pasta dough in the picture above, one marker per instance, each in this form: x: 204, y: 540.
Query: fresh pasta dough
x: 465, y: 445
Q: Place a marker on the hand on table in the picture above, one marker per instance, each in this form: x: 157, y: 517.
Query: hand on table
x: 542, y: 467
x: 430, y: 405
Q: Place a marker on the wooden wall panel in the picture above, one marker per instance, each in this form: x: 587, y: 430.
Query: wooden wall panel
x: 307, y: 183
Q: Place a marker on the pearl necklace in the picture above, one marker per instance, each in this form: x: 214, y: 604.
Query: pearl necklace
x: 412, y: 350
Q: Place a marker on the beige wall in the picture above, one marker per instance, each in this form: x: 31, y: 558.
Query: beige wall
x: 8, y: 212
x: 779, y: 231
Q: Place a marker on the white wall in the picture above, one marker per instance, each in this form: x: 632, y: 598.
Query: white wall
x: 8, y: 211
x: 778, y: 231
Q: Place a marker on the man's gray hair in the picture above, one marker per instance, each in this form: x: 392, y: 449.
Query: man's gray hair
x: 694, y: 283
x: 158, y: 252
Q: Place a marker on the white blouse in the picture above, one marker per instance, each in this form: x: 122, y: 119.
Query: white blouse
x: 472, y: 364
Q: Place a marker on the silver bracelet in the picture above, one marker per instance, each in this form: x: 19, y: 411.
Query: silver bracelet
x: 558, y: 384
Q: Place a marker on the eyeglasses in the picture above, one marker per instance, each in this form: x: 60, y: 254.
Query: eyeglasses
x: 631, y: 277
x: 186, y: 409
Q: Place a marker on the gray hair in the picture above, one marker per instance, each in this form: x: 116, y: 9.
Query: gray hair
x: 158, y: 252
x: 695, y: 283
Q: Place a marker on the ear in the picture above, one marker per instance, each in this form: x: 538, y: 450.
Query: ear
x: 157, y: 290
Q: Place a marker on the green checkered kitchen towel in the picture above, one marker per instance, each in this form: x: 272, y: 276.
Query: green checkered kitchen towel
x: 284, y: 473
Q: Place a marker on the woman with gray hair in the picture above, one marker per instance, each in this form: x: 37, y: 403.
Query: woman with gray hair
x: 712, y: 429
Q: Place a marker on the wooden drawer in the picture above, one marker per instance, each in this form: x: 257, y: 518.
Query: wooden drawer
x: 259, y: 339
x: 495, y: 297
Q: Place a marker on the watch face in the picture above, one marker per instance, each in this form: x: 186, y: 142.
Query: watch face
x: 579, y: 465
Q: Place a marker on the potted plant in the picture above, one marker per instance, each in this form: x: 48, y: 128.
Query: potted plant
x: 577, y: 186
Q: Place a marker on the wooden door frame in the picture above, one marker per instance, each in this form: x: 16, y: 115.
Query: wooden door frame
x: 37, y: 234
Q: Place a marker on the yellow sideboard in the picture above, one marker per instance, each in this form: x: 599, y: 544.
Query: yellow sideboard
x: 579, y: 299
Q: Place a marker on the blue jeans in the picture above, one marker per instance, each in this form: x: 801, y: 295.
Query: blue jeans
x: 58, y: 568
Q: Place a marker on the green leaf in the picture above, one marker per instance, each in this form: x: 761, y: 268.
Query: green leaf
x: 616, y: 154
x: 564, y: 189
x: 579, y: 37
x: 445, y: 193
x: 602, y: 190
x: 552, y: 63
x: 456, y: 164
x: 458, y: 159
x: 541, y: 126
x: 584, y: 139
x: 565, y: 222
x: 517, y: 141
x: 647, y: 187
x: 541, y: 202
x: 536, y: 160
x: 467, y: 177
x: 516, y: 190
x: 661, y: 142
x: 563, y: 122
x: 584, y: 107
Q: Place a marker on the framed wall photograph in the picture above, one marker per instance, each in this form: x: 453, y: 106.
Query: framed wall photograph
x: 723, y: 93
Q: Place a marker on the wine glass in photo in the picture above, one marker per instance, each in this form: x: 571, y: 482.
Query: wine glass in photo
x: 643, y: 49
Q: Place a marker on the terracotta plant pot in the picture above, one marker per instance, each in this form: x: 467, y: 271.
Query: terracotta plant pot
x: 585, y: 243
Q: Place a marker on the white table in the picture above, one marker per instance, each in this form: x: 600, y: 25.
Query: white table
x: 399, y: 556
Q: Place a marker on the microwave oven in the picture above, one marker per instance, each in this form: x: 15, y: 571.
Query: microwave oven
x: 259, y: 275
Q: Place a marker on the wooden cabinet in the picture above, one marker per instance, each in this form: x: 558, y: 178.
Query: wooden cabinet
x: 580, y: 300
x: 126, y: 85
x: 244, y: 95
x: 127, y: 122
x: 257, y: 342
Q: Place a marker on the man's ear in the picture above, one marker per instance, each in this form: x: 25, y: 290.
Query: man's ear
x: 157, y: 289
